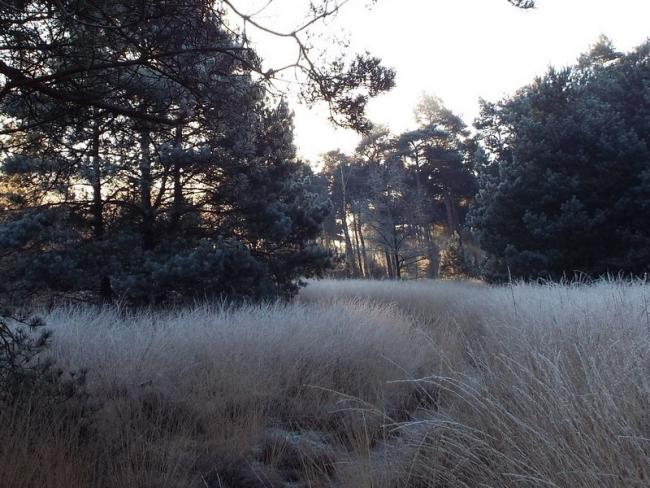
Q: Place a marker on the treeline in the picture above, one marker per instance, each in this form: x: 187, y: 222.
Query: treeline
x: 399, y: 199
x: 146, y: 156
x: 553, y: 182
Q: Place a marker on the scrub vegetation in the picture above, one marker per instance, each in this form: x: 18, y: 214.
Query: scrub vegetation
x: 356, y: 383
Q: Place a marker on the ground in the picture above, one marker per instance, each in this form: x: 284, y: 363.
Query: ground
x: 355, y: 384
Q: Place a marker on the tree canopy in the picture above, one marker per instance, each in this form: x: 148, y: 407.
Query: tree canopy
x: 565, y: 187
x: 145, y: 156
x: 399, y: 198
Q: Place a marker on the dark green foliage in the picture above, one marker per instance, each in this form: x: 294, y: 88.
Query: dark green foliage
x: 566, y: 186
x: 347, y: 88
x: 440, y: 163
x: 154, y: 163
x: 186, y: 269
x: 454, y: 263
x: 27, y: 375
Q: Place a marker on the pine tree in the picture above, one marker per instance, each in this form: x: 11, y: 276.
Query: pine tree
x: 453, y: 261
x: 160, y: 167
x: 565, y: 188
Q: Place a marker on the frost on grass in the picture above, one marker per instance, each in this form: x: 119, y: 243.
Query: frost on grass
x: 358, y: 384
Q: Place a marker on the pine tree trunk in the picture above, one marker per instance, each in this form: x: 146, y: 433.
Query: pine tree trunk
x: 145, y: 192
x: 432, y: 254
x: 398, y: 271
x: 452, y: 213
x: 389, y: 267
x: 105, y: 288
x: 355, y: 227
x: 349, y: 256
x: 454, y: 209
x: 364, y: 253
x: 178, y: 189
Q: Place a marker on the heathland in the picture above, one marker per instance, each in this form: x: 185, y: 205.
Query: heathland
x: 353, y: 384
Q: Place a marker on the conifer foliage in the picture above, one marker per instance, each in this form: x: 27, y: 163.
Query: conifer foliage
x: 565, y: 185
x: 143, y: 155
x: 454, y: 264
x: 398, y: 197
x: 27, y: 374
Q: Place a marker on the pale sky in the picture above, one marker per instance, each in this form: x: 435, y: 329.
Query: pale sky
x: 459, y: 50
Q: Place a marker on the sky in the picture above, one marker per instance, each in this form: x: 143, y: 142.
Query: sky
x: 458, y: 50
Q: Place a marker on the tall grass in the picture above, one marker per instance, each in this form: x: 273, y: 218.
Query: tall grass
x: 555, y: 391
x: 375, y: 384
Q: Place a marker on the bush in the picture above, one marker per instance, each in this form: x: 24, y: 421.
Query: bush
x: 454, y: 263
x: 25, y: 371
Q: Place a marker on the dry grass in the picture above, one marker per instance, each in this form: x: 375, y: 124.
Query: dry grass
x: 554, y: 389
x: 357, y: 384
